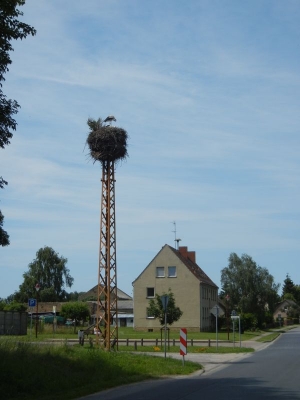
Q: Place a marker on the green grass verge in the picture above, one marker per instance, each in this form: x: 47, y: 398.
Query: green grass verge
x: 191, y: 349
x: 269, y: 338
x: 68, y: 332
x: 130, y: 333
x: 46, y: 372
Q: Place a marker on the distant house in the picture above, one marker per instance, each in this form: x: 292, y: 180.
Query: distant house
x: 46, y: 308
x: 125, y: 306
x: 195, y: 293
x: 286, y: 311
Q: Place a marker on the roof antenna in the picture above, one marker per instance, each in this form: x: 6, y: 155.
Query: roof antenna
x: 176, y: 240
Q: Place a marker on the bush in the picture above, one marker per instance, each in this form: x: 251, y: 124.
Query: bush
x: 249, y: 322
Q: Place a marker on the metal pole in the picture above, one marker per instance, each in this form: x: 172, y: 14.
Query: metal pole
x: 165, y: 333
x: 37, y: 315
x: 217, y: 312
x: 240, y: 329
x: 37, y: 288
x: 31, y: 323
x: 233, y: 332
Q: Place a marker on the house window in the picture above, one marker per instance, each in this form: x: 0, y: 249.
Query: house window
x: 172, y: 272
x: 149, y: 314
x: 150, y: 291
x: 160, y: 272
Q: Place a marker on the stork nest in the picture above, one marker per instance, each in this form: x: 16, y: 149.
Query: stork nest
x: 108, y: 143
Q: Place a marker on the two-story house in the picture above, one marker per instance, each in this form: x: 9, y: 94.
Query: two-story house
x: 194, y: 292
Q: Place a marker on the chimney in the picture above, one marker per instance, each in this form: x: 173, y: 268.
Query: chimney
x: 191, y: 255
x: 183, y: 251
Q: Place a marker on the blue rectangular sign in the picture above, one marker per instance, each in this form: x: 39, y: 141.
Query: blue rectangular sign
x: 31, y: 302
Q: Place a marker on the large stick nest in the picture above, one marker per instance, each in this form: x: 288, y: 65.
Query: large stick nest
x: 108, y: 143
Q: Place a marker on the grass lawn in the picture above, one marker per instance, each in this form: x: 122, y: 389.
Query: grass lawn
x: 67, y: 332
x: 129, y: 333
x: 47, y: 372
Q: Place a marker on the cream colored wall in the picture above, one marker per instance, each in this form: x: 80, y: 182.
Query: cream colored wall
x: 185, y: 288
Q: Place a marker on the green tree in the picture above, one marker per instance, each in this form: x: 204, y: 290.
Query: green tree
x: 288, y: 296
x: 156, y: 309
x: 73, y: 296
x: 11, y: 29
x: 12, y: 306
x: 15, y: 306
x: 48, y: 294
x: 75, y: 310
x: 50, y: 271
x: 9, y: 299
x: 288, y: 287
x: 249, y: 287
x: 4, y: 237
x: 297, y: 294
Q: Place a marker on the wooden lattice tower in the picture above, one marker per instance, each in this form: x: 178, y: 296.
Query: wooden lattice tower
x: 107, y: 275
x: 107, y: 145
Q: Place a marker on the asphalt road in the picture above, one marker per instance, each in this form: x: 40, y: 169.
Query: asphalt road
x: 272, y: 372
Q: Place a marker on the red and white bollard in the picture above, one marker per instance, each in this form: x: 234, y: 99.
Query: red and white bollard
x: 183, y: 343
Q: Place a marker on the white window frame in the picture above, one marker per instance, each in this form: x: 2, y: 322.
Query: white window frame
x: 160, y: 269
x: 169, y: 268
x: 149, y: 316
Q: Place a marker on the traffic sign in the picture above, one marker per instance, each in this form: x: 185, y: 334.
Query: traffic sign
x: 164, y: 299
x: 217, y: 311
x: 31, y: 302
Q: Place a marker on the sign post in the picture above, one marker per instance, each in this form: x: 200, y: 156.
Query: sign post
x: 233, y: 314
x: 165, y: 299
x: 217, y: 313
x: 234, y: 318
x: 31, y: 304
x: 37, y: 288
x: 183, y: 343
x: 54, y: 319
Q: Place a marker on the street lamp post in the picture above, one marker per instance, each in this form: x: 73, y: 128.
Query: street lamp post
x: 37, y: 288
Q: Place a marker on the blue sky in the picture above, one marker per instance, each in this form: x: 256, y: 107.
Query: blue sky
x: 209, y: 93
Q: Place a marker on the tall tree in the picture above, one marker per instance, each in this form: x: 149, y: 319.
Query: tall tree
x: 50, y: 271
x: 156, y: 309
x: 11, y: 29
x: 288, y: 287
x: 250, y: 288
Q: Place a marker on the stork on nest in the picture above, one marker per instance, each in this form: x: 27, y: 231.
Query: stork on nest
x: 110, y: 119
x: 106, y: 143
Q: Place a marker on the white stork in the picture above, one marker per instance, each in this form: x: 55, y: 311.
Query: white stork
x: 110, y: 119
